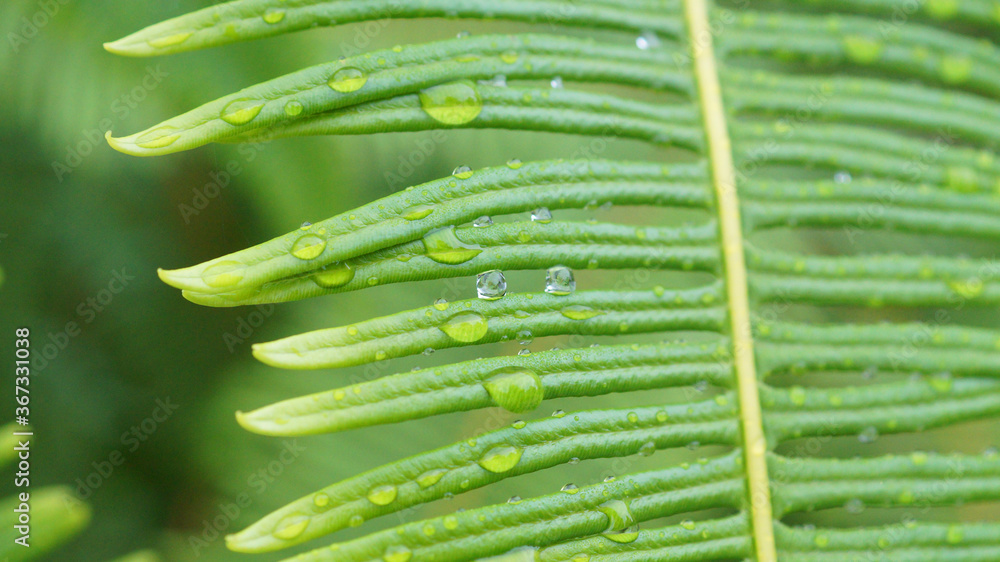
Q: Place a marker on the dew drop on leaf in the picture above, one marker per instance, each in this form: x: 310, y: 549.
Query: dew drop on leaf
x: 514, y: 163
x: 417, y: 212
x: 223, y: 274
x: 569, y: 489
x: 383, y: 495
x: 580, y: 312
x: 443, y: 246
x: 462, y: 172
x: 158, y: 138
x: 515, y: 389
x: 291, y: 526
x: 273, y: 15
x: 240, y: 112
x: 541, y: 215
x: 466, y: 327
x: 397, y: 553
x: 501, y: 458
x: 622, y: 526
x: 441, y: 304
x: 491, y: 285
x: 559, y: 281
x: 308, y: 247
x: 482, y: 221
x: 170, y: 40
x: 455, y: 103
x: 347, y: 79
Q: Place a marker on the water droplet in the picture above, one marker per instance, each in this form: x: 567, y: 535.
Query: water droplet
x: 862, y: 50
x: 693, y: 446
x: 647, y: 40
x: 482, y: 221
x: 170, y: 40
x: 498, y: 81
x: 383, y: 495
x: 954, y: 534
x: 622, y: 526
x: 514, y: 500
x: 797, y: 395
x: 842, y: 177
x: 240, y: 112
x: 291, y: 526
x: 274, y: 15
x: 321, y: 500
x: 556, y: 82
x: 541, y: 215
x: 456, y: 103
x: 569, y: 489
x: 431, y: 477
x: 333, y: 275
x: 501, y: 458
x: 158, y: 138
x: 519, y: 424
x: 441, y: 304
x: 462, y: 34
x: 523, y: 352
x: 580, y: 312
x: 688, y: 524
x: 509, y: 57
x: 491, y: 285
x: 347, y: 79
x: 308, y: 247
x: 515, y: 389
x: 397, y: 553
x: 355, y: 521
x: 559, y: 280
x: 514, y: 164
x: 558, y: 414
x: 462, y: 172
x: 609, y: 479
x: 854, y: 506
x: 647, y: 449
x: 223, y: 274
x: 525, y: 337
x: 868, y: 435
x: 417, y: 212
x: 465, y: 327
x: 443, y: 246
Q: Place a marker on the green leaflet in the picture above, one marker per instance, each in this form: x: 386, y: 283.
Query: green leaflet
x: 826, y: 120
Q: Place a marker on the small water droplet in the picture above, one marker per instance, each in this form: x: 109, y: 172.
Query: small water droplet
x: 441, y: 304
x: 868, y: 435
x: 417, y: 212
x: 559, y: 281
x: 158, y: 138
x: 854, y: 506
x: 647, y: 449
x: 514, y: 163
x: 842, y: 177
x: 491, y: 285
x: 509, y: 57
x: 347, y: 79
x: 525, y: 337
x: 541, y: 215
x: 429, y: 351
x: 462, y: 172
x: 274, y: 15
x: 170, y: 40
x: 456, y: 103
x: 569, y: 489
x: 580, y: 312
x: 558, y: 414
x: 688, y: 524
x: 482, y: 221
x: 556, y: 82
x: 355, y: 521
x: 523, y: 352
x: 443, y: 246
x: 321, y: 500
x: 514, y: 500
x: 647, y: 40
x: 397, y: 553
x: 431, y: 477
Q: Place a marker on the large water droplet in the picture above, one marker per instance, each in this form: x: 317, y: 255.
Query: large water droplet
x: 223, y: 274
x: 383, y: 495
x: 501, y: 458
x: 308, y: 247
x: 334, y: 275
x: 491, y: 285
x: 559, y: 280
x: 347, y: 79
x: 240, y: 112
x: 443, y: 246
x: 291, y: 526
x: 622, y: 527
x: 456, y: 103
x: 515, y: 389
x: 466, y: 327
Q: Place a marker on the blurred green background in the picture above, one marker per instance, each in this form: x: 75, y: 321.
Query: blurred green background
x: 77, y: 218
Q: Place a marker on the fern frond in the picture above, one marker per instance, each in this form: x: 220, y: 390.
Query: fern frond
x: 795, y: 116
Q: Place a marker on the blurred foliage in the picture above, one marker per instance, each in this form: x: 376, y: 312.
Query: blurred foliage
x: 83, y: 229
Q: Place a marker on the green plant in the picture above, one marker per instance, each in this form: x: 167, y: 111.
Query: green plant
x: 854, y: 120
